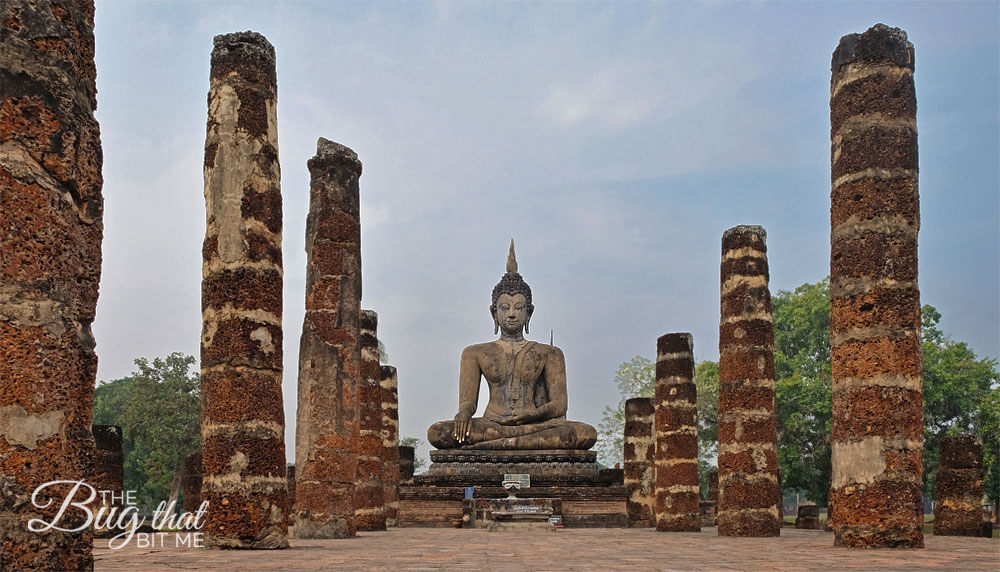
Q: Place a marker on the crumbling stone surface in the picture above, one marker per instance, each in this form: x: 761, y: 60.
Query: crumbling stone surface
x: 369, y: 504
x: 749, y: 491
x: 191, y: 482
x: 958, y: 507
x: 242, y: 423
x: 406, y: 456
x: 328, y: 427
x: 807, y: 517
x: 109, y: 470
x: 877, y: 433
x: 677, y: 506
x: 50, y: 266
x: 640, y: 453
x: 390, y: 443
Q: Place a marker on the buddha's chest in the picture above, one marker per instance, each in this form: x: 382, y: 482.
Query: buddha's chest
x: 510, y: 369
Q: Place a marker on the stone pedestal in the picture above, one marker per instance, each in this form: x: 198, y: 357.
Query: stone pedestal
x: 469, y: 467
x: 521, y: 515
x: 567, y: 479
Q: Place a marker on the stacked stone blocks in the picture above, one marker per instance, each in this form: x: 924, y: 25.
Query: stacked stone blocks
x: 748, y: 459
x: 328, y: 428
x: 369, y: 504
x: 958, y: 507
x: 640, y: 453
x: 676, y: 421
x: 242, y: 418
x: 390, y: 443
x: 877, y: 435
x: 50, y: 266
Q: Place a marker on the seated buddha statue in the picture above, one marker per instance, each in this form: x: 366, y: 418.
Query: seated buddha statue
x: 526, y: 380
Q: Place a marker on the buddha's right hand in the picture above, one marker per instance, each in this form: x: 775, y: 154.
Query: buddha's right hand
x: 463, y: 426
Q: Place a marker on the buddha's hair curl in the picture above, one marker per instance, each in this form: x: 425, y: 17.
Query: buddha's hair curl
x: 511, y: 284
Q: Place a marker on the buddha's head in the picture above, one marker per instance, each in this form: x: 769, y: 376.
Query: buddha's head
x: 511, y: 305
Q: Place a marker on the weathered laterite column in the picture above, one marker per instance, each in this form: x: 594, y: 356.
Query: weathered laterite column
x: 407, y: 456
x: 242, y: 419
x: 109, y: 467
x: 191, y: 482
x: 877, y: 434
x: 390, y: 443
x: 640, y: 451
x: 748, y: 430
x: 330, y: 351
x: 369, y: 505
x: 958, y: 507
x: 50, y: 265
x: 290, y: 479
x: 677, y: 489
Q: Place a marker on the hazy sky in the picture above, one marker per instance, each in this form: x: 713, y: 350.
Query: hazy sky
x: 614, y: 142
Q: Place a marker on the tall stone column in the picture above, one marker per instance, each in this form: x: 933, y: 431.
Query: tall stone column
x: 877, y: 435
x: 330, y: 351
x: 958, y: 507
x: 748, y: 430
x: 390, y: 443
x: 677, y: 488
x: 242, y: 419
x: 50, y: 266
x: 369, y: 504
x: 640, y: 451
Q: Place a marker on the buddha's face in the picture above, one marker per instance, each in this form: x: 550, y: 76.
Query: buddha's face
x: 512, y: 313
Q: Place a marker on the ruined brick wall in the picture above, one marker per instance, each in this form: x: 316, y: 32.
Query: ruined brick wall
x: 958, y: 507
x: 877, y: 438
x: 676, y: 421
x: 191, y: 482
x: 369, y: 504
x: 242, y: 419
x: 109, y: 467
x: 748, y: 430
x: 50, y: 266
x: 390, y: 443
x: 640, y: 452
x: 330, y: 351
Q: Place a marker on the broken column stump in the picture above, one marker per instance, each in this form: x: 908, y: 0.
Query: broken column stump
x: 640, y: 452
x: 807, y: 517
x: 330, y: 352
x: 877, y: 433
x: 191, y: 482
x: 748, y: 430
x: 676, y: 421
x: 390, y: 443
x: 50, y: 266
x: 109, y: 471
x: 369, y: 503
x: 958, y: 506
x: 242, y: 418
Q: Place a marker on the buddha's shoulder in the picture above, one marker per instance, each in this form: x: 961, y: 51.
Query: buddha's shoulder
x: 479, y: 349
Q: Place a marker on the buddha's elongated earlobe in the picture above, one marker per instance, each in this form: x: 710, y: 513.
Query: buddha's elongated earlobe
x: 526, y: 325
x: 496, y: 326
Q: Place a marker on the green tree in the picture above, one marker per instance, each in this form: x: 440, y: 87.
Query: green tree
x: 706, y: 381
x: 803, y: 380
x: 159, y: 410
x: 634, y: 378
x: 418, y: 462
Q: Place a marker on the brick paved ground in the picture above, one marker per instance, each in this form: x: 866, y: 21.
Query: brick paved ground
x: 580, y: 549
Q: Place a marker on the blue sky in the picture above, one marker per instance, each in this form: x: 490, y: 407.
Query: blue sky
x: 615, y: 142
